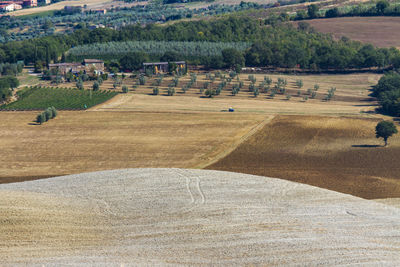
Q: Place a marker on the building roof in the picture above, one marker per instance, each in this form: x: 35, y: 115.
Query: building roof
x: 162, y: 63
x: 93, y: 61
x: 64, y: 64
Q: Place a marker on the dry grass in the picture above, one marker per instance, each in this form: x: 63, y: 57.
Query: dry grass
x: 379, y: 31
x: 351, y: 96
x: 329, y: 152
x: 78, y: 142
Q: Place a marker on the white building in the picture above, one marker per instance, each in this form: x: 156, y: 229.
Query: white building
x: 10, y: 7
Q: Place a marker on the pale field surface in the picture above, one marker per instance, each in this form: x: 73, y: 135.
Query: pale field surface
x: 351, y: 96
x: 390, y: 201
x: 78, y: 141
x: 191, y: 217
x: 91, y: 4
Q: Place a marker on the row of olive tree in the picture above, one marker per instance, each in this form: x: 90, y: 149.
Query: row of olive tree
x: 48, y: 114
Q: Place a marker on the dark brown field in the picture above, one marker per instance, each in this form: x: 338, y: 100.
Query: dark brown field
x: 379, y: 31
x: 336, y: 153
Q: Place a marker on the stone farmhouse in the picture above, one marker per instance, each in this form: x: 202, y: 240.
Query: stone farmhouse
x: 95, y: 66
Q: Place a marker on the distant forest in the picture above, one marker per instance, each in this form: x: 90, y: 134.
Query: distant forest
x: 278, y: 46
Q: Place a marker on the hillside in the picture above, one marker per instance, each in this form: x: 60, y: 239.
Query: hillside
x: 379, y: 31
x: 177, y: 216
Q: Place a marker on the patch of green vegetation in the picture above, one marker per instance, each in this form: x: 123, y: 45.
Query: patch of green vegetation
x: 38, y: 98
x: 42, y: 14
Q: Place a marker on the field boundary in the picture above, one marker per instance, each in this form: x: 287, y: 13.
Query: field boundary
x: 229, y: 150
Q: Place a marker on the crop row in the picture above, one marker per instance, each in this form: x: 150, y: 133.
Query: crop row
x: 35, y: 98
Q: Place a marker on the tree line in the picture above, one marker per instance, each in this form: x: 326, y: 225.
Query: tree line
x: 279, y: 46
x: 7, y: 84
x: 67, y: 21
x: 388, y: 93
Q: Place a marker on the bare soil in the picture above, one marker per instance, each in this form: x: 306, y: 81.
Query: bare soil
x: 337, y: 153
x: 379, y: 31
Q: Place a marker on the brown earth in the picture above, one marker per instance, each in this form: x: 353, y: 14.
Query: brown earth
x: 379, y: 31
x: 337, y: 153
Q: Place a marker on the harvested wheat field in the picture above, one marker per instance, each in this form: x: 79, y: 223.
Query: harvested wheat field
x: 379, y: 31
x: 190, y: 217
x: 337, y: 153
x: 78, y: 141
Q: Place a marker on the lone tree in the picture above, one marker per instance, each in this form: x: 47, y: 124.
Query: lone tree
x: 385, y: 129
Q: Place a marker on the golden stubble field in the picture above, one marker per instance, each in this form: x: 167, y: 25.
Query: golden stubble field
x: 81, y: 141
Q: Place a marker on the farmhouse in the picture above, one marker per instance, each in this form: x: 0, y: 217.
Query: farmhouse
x: 7, y: 6
x: 87, y: 66
x: 161, y: 67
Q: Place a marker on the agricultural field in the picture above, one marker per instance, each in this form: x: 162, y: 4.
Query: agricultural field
x: 351, y: 95
x: 179, y: 217
x: 82, y: 141
x: 38, y: 98
x: 143, y: 127
x: 379, y: 31
x: 91, y: 4
x: 337, y: 153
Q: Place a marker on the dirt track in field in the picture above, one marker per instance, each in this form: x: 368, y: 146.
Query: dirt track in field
x: 340, y: 154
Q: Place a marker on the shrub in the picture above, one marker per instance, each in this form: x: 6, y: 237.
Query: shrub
x: 299, y: 83
x: 256, y: 92
x: 171, y: 91
x: 155, y: 91
x: 96, y: 86
x: 210, y: 93
x: 125, y: 89
x: 142, y: 80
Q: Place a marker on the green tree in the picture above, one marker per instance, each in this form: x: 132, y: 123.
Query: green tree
x: 155, y: 91
x: 210, y: 93
x: 312, y: 11
x: 382, y: 5
x: 233, y: 58
x: 385, y: 129
x: 299, y: 83
x: 133, y: 61
x: 125, y: 89
x: 54, y: 111
x: 96, y: 86
x: 79, y: 84
x: 40, y: 118
x: 49, y: 114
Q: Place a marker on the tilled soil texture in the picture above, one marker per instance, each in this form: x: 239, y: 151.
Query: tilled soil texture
x: 337, y: 153
x: 379, y: 31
